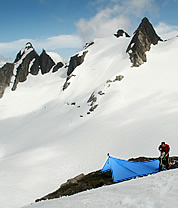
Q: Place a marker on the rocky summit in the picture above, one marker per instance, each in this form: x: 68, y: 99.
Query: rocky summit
x: 143, y: 38
x: 27, y: 62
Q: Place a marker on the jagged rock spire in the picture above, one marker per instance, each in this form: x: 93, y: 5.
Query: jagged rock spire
x: 29, y: 62
x: 22, y: 63
x: 45, y: 62
x: 144, y: 36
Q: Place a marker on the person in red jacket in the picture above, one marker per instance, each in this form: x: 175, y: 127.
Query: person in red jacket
x: 164, y: 153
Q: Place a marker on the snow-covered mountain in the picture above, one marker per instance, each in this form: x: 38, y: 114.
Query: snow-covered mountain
x: 27, y: 62
x: 118, y: 95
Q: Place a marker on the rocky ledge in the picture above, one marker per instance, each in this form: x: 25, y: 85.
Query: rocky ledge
x: 90, y: 181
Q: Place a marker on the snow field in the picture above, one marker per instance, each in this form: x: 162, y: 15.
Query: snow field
x: 44, y: 141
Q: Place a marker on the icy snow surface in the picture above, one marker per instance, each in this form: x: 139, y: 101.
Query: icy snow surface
x: 45, y: 140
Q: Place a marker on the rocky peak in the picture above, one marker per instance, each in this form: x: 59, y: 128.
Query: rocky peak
x: 23, y: 63
x: 24, y: 51
x: 144, y: 36
x: 45, y: 62
x: 28, y: 45
x: 29, y: 62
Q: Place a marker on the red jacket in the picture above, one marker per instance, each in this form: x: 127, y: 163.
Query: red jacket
x: 164, y: 149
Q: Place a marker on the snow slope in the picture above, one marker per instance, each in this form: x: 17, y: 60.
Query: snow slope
x: 154, y: 191
x: 45, y: 140
x: 56, y: 57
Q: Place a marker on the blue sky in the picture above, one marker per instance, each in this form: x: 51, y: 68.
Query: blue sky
x: 64, y: 26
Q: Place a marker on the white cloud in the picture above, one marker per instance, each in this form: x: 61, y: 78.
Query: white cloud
x: 49, y: 44
x: 166, y: 31
x: 4, y: 60
x: 119, y: 14
x: 56, y: 57
x: 9, y: 47
x: 128, y: 7
x: 139, y: 7
x: 111, y: 16
x: 101, y: 25
x: 115, y: 14
x: 61, y: 41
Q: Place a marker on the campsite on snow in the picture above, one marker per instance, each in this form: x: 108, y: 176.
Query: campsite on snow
x: 59, y: 120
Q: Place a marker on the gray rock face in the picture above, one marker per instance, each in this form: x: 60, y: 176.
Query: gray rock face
x: 58, y: 66
x: 21, y: 53
x: 35, y: 68
x: 67, y: 83
x: 6, y: 73
x: 75, y: 61
x: 46, y: 63
x: 24, y: 68
x: 144, y: 36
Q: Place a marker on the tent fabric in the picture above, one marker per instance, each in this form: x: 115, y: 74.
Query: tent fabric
x: 123, y: 169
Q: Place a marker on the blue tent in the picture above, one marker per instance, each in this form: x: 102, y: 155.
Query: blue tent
x: 123, y: 169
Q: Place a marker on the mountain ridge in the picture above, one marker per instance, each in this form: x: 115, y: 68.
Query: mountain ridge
x: 27, y: 61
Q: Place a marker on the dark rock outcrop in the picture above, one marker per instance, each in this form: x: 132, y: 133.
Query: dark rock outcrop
x: 141, y: 42
x: 88, y: 45
x: 121, y: 33
x: 25, y: 66
x: 67, y: 83
x: 6, y: 73
x: 35, y: 68
x: 21, y: 53
x: 79, y: 184
x: 28, y: 62
x: 118, y: 78
x: 57, y: 66
x: 75, y: 61
x: 45, y: 62
x: 92, y: 101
